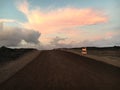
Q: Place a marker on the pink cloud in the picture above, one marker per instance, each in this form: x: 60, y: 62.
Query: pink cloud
x: 24, y: 7
x: 64, y: 18
x: 110, y: 34
x: 59, y: 20
x: 106, y: 35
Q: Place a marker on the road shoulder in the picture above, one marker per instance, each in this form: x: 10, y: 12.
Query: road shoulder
x: 9, y: 69
x: 107, y: 60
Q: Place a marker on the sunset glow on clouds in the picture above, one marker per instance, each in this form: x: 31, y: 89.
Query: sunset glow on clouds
x: 49, y: 22
x: 64, y: 25
x: 56, y: 20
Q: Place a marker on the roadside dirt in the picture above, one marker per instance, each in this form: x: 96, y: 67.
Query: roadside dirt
x: 10, y: 68
x: 109, y: 59
x: 59, y: 70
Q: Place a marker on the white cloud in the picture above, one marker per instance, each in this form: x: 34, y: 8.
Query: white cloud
x: 11, y: 36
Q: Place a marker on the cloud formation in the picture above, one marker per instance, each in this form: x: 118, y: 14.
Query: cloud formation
x: 57, y: 42
x: 7, y: 20
x: 107, y: 39
x: 61, y: 27
x: 55, y: 20
x: 47, y: 22
x: 11, y: 36
x: 60, y: 20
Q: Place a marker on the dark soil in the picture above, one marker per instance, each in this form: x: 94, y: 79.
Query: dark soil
x: 59, y: 70
x: 7, y: 54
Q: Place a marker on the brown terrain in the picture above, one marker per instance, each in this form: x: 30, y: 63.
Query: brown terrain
x: 60, y: 70
x: 109, y: 55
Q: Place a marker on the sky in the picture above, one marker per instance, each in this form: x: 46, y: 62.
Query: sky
x: 48, y: 24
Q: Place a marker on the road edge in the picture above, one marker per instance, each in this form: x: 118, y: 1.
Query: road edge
x: 8, y: 71
x: 94, y: 57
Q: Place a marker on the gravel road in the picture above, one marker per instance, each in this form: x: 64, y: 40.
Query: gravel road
x: 60, y: 70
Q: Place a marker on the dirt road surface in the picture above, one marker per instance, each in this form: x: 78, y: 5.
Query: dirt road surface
x: 60, y: 70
